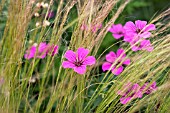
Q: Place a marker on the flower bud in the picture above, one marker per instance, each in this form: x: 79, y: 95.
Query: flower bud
x: 36, y: 14
x: 46, y: 23
x: 37, y: 24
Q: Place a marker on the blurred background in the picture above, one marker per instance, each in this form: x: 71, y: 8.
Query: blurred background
x: 136, y: 10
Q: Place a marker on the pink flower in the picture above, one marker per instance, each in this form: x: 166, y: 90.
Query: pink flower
x: 43, y: 50
x: 149, y: 88
x: 78, y: 60
x: 137, y: 33
x: 140, y: 28
x: 117, y: 59
x: 129, y: 93
x: 117, y: 31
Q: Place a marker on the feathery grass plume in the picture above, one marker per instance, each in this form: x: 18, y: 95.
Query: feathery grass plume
x: 32, y: 78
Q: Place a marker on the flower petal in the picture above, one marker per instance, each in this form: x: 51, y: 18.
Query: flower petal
x: 90, y: 60
x: 84, y: 27
x: 55, y: 50
x: 146, y: 45
x: 127, y: 61
x: 138, y: 94
x: 94, y: 28
x: 120, y: 53
x: 117, y: 71
x: 117, y: 36
x: 80, y: 70
x: 115, y: 29
x: 70, y: 56
x: 152, y: 88
x: 143, y: 88
x: 135, y: 48
x: 125, y: 100
x: 130, y: 27
x: 145, y: 35
x: 82, y: 53
x: 30, y: 53
x: 42, y: 55
x: 111, y: 57
x: 140, y: 24
x: 153, y: 85
x: 124, y: 89
x: 128, y: 37
x: 106, y: 66
x: 67, y: 64
x: 42, y: 47
x: 150, y: 27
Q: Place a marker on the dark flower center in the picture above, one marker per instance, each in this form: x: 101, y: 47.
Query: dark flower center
x: 139, y: 31
x: 117, y: 65
x: 78, y: 63
x: 120, y: 33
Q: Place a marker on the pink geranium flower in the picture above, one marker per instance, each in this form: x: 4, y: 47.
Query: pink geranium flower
x: 149, y: 88
x: 137, y: 33
x: 139, y: 28
x: 117, y: 59
x: 130, y: 92
x: 117, y: 31
x: 42, y: 51
x: 78, y: 60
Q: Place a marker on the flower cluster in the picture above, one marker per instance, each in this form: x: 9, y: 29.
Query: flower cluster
x: 136, y: 34
x: 40, y: 6
x: 132, y: 91
x: 41, y: 51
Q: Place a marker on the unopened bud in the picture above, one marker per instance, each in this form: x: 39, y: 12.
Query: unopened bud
x: 32, y: 1
x: 35, y: 44
x: 37, y: 24
x: 45, y: 5
x: 36, y: 14
x: 42, y: 4
x: 30, y: 41
x: 46, y: 23
x: 38, y: 5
